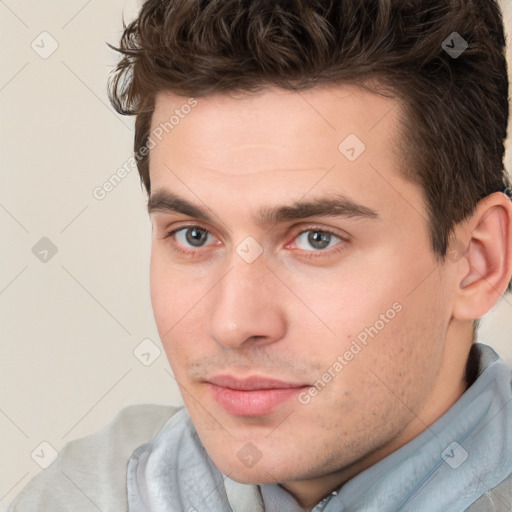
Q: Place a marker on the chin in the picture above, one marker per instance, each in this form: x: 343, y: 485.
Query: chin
x: 257, y: 473
x: 253, y: 476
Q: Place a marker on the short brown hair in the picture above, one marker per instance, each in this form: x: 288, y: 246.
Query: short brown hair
x: 456, y: 106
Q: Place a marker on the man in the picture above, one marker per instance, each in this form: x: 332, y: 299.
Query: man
x: 330, y: 218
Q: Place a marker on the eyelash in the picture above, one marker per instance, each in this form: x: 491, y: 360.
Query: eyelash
x: 310, y: 254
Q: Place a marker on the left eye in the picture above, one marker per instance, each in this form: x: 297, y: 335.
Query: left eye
x: 317, y: 238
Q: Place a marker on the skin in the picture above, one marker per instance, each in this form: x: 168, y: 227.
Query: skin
x: 290, y: 313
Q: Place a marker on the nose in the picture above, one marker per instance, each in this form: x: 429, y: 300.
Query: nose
x: 246, y: 306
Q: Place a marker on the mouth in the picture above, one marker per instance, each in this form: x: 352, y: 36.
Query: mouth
x: 252, y: 396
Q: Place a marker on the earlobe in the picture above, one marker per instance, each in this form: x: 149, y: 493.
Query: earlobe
x: 487, y: 261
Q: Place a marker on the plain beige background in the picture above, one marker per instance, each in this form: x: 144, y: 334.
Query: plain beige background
x: 78, y: 337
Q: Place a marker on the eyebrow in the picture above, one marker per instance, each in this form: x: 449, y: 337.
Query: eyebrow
x: 330, y: 206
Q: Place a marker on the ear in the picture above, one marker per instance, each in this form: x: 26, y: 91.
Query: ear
x: 484, y: 267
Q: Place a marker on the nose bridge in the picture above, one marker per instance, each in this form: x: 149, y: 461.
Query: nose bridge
x: 245, y: 304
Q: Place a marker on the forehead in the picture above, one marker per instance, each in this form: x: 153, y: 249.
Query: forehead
x: 238, y: 154
x: 274, y: 129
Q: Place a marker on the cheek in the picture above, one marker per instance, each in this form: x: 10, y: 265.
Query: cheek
x: 176, y: 298
x: 160, y: 288
x: 386, y: 318
x: 401, y: 356
x: 347, y: 304
x: 165, y: 297
x: 169, y: 289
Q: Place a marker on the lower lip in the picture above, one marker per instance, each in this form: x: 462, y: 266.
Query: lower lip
x: 252, y: 403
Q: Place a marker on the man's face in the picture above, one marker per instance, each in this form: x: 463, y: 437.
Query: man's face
x: 347, y: 312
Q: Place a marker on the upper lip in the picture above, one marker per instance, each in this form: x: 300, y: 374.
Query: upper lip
x: 251, y: 383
